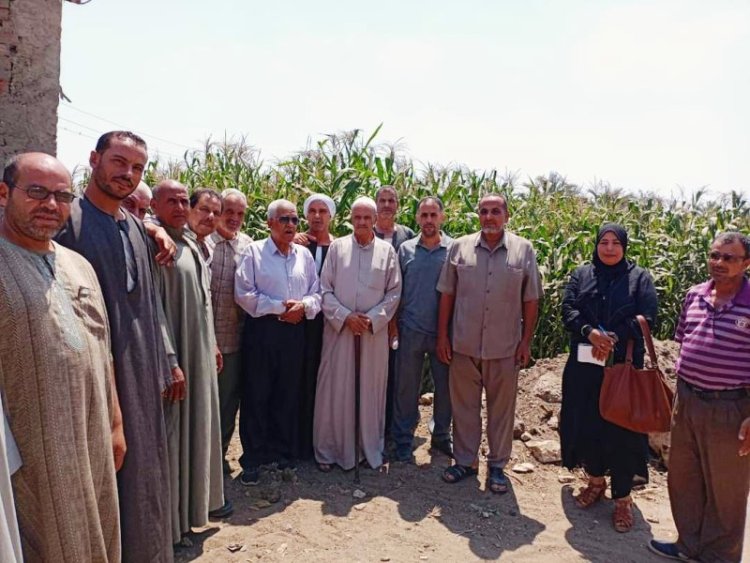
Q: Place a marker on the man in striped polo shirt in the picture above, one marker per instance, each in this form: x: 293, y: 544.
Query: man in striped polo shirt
x: 709, y: 469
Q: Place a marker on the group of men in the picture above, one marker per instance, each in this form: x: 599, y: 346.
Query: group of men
x: 136, y: 326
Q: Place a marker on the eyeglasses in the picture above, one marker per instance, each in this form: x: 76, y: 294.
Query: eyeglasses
x: 715, y: 256
x: 284, y: 219
x: 40, y: 193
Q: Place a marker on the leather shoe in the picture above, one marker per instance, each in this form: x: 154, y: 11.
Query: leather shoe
x: 223, y: 511
x: 444, y: 446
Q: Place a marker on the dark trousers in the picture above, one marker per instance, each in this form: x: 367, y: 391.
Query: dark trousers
x: 230, y: 391
x: 389, y: 391
x: 269, y: 411
x: 413, y: 346
x: 313, y: 348
x: 708, y: 480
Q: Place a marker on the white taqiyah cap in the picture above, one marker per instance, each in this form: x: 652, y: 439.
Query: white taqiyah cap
x: 320, y: 197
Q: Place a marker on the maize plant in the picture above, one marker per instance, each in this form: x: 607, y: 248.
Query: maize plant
x: 670, y: 238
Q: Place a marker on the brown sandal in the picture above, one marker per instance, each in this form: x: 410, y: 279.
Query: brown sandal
x: 591, y: 494
x: 622, y: 518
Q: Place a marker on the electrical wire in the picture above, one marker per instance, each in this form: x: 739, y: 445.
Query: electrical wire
x: 155, y: 152
x: 104, y: 119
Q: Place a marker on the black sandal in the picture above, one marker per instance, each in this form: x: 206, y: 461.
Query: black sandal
x: 497, y: 481
x: 456, y: 473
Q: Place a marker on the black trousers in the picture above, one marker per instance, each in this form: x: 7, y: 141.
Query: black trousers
x: 313, y: 349
x: 390, y: 391
x: 269, y: 411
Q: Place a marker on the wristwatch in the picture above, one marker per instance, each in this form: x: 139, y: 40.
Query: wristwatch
x: 586, y: 330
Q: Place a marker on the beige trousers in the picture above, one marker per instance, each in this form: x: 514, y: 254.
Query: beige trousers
x: 499, y: 379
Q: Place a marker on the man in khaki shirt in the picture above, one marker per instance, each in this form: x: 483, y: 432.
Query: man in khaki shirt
x: 490, y: 288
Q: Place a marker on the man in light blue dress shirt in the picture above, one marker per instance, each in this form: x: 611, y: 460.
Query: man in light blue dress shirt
x: 277, y: 285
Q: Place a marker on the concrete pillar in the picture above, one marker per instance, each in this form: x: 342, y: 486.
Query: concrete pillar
x: 29, y: 75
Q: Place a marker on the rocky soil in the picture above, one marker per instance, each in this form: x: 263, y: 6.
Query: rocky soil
x: 405, y: 512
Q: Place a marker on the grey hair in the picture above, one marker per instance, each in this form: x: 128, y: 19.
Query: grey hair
x: 233, y: 192
x: 274, y: 207
x: 386, y: 188
x: 729, y: 237
x: 10, y: 172
x: 366, y: 202
x: 143, y: 188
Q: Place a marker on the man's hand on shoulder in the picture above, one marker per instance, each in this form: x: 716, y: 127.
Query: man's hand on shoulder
x: 167, y: 247
x: 303, y: 239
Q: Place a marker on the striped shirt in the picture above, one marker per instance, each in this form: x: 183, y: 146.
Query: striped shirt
x: 715, y: 351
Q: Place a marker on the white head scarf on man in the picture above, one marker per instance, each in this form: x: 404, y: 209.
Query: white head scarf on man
x: 320, y: 197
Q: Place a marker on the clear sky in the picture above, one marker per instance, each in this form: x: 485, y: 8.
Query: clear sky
x: 644, y: 95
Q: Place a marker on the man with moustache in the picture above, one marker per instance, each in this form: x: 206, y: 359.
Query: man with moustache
x: 360, y: 285
x: 490, y: 289
x: 139, y: 202
x: 709, y: 466
x: 56, y: 374
x: 193, y: 424
x: 276, y: 284
x: 421, y: 260
x: 386, y: 227
x: 226, y: 246
x: 319, y: 209
x: 205, y: 210
x: 391, y: 232
x: 116, y: 245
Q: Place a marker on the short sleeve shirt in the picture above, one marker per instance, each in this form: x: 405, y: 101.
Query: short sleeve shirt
x: 420, y: 270
x: 715, y: 343
x: 490, y: 286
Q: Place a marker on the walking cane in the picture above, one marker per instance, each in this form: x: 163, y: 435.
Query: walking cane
x: 357, y: 359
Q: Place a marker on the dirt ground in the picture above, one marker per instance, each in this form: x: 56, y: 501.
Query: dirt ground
x: 405, y: 512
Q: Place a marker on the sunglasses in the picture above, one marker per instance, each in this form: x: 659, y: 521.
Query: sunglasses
x: 286, y: 219
x: 40, y: 193
x: 715, y: 256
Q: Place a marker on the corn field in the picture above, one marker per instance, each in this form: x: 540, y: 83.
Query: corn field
x: 668, y: 237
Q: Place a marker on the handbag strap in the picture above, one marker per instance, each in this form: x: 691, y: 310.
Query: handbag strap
x: 629, y: 352
x: 646, y: 331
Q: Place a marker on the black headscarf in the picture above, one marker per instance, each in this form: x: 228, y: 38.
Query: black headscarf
x: 611, y: 272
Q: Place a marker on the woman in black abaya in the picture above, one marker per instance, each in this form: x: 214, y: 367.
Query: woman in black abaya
x: 600, y: 304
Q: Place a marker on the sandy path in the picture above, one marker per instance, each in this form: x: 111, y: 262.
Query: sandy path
x: 409, y: 514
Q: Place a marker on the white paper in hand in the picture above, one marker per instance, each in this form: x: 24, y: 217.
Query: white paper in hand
x: 586, y: 356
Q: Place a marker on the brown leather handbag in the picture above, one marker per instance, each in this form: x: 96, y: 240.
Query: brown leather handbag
x: 637, y: 399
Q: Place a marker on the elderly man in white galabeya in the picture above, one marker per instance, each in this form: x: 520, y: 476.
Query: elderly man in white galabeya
x: 361, y: 286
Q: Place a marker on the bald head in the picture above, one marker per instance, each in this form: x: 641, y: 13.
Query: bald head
x: 36, y: 192
x: 139, y: 201
x: 171, y: 203
x: 32, y: 160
